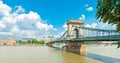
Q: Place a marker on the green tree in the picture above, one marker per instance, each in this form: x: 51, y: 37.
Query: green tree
x: 23, y: 42
x: 35, y: 41
x: 18, y: 41
x: 108, y: 11
x: 29, y: 41
x: 42, y: 42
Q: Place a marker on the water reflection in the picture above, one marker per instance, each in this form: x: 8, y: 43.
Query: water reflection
x: 75, y: 58
x: 107, y: 54
x: 102, y: 58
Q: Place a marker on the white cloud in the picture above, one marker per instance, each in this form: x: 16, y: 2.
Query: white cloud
x: 65, y: 26
x: 44, y: 26
x: 30, y: 16
x: 2, y: 25
x: 88, y: 25
x: 101, y: 26
x: 8, y: 19
x: 28, y: 21
x: 89, y: 9
x: 15, y: 29
x: 82, y: 17
x: 93, y: 25
x: 19, y: 9
x: 4, y: 9
x: 106, y: 26
x: 19, y: 24
x: 5, y: 33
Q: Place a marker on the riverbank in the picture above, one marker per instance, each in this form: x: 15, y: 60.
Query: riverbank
x: 22, y: 45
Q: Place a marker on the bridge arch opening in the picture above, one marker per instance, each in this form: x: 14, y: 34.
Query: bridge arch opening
x: 76, y: 33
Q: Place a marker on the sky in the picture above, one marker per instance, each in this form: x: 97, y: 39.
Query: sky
x: 40, y: 18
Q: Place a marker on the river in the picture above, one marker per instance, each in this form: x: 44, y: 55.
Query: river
x: 44, y: 54
x: 107, y: 54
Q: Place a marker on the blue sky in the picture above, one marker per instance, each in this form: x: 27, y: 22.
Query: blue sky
x: 36, y: 18
x: 57, y: 11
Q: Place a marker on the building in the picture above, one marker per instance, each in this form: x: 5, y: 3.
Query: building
x: 49, y: 38
x: 7, y: 41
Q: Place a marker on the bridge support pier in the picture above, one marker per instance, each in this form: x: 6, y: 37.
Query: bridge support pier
x: 75, y: 47
x: 50, y: 44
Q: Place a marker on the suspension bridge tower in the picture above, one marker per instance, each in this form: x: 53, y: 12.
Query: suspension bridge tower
x: 73, y: 30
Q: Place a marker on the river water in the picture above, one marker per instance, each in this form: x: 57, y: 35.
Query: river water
x: 44, y: 54
x: 106, y: 54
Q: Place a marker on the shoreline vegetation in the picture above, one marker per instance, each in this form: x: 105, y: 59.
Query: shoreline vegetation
x: 30, y: 42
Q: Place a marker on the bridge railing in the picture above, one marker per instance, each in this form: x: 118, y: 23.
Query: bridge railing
x: 99, y: 38
x: 93, y: 32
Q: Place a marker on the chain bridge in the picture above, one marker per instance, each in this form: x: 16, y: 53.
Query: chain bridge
x: 76, y: 34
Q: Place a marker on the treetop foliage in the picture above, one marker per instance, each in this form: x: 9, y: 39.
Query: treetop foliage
x: 108, y: 11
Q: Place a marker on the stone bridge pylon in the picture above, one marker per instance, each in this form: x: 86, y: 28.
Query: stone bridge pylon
x: 73, y: 31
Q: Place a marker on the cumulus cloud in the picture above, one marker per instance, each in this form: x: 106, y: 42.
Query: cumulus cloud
x: 106, y: 26
x: 101, y: 26
x: 44, y: 26
x: 93, y: 25
x: 19, y: 9
x: 89, y: 9
x: 65, y: 26
x: 19, y: 24
x: 5, y: 33
x: 88, y: 25
x: 82, y: 17
x: 2, y: 25
x: 4, y: 9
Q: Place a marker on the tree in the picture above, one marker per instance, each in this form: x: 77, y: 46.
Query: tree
x: 108, y: 11
x: 42, y: 42
x: 29, y: 41
x: 35, y: 41
x: 18, y: 41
